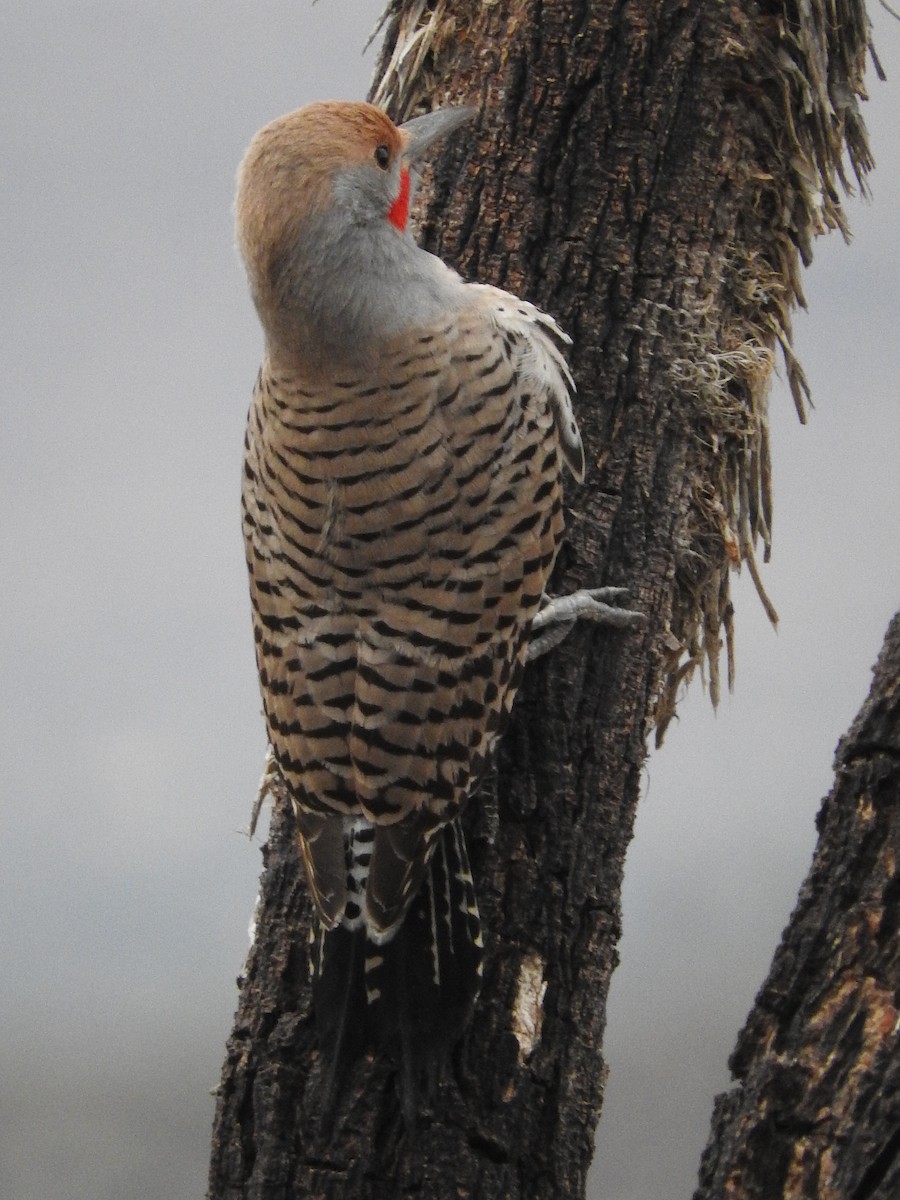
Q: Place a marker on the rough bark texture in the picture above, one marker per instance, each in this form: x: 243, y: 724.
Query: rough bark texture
x: 816, y: 1115
x: 646, y: 171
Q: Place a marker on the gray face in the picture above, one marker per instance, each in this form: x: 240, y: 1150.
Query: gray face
x: 365, y: 192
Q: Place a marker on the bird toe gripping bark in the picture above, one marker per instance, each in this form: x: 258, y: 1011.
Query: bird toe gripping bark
x: 556, y: 619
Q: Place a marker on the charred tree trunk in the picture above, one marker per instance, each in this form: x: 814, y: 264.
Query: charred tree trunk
x: 648, y: 172
x: 817, y: 1110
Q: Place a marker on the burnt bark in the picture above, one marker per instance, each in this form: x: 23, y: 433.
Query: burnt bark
x: 642, y: 170
x: 816, y: 1112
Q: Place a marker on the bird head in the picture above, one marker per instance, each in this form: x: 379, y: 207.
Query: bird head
x: 315, y: 175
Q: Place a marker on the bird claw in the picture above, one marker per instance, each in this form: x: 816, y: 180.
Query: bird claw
x: 559, y: 614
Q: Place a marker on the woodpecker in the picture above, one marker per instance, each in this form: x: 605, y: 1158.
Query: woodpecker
x: 402, y: 511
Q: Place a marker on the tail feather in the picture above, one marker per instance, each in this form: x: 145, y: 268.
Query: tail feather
x: 428, y: 976
x: 337, y: 959
x: 411, y: 995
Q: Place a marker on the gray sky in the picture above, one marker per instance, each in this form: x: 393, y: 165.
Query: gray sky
x: 131, y: 740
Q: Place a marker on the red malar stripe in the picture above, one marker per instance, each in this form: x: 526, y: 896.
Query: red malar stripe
x: 398, y: 213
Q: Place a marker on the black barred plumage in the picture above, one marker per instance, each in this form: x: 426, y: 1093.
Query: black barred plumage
x: 402, y: 512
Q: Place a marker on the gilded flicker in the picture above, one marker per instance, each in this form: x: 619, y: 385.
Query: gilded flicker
x: 402, y: 510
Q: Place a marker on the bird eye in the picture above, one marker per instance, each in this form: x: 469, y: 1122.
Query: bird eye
x: 383, y: 157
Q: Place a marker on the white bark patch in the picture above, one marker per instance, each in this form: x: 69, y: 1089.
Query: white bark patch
x: 528, y: 1010
x: 251, y: 927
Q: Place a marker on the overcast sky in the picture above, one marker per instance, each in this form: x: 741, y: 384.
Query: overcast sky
x: 131, y: 737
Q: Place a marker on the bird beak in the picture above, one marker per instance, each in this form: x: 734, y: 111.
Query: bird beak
x: 424, y: 131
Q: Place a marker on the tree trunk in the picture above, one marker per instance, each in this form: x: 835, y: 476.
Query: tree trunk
x: 816, y: 1115
x: 647, y: 171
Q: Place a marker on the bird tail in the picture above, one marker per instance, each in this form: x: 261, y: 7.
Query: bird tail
x: 409, y: 995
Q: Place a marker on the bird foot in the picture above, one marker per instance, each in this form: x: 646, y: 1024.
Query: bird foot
x: 559, y: 614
